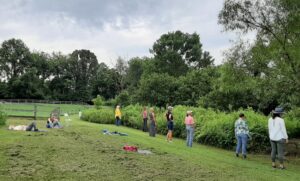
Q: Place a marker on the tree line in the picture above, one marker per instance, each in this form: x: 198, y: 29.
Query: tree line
x: 260, y: 74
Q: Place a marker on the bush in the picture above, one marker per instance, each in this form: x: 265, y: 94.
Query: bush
x: 2, y: 118
x: 98, y: 102
x: 212, y: 127
x: 102, y: 116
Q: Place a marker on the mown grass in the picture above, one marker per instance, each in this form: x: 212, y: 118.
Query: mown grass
x: 43, y: 110
x: 82, y: 152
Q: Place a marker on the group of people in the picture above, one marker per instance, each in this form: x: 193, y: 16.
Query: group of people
x: 276, y: 126
x: 189, y: 122
x: 277, y: 134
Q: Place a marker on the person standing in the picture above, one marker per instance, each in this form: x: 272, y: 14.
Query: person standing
x: 145, y: 119
x: 170, y: 124
x: 152, y: 130
x: 118, y: 115
x: 241, y: 133
x: 190, y: 126
x: 278, y: 136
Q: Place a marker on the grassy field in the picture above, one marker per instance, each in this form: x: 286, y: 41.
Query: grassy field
x: 81, y: 152
x: 43, y: 110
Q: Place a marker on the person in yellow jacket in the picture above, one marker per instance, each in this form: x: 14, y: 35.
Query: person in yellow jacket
x: 118, y: 115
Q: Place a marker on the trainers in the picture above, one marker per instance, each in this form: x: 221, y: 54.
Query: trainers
x: 237, y: 155
x: 244, y: 156
x: 282, y: 168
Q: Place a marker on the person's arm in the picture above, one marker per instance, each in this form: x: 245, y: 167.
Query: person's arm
x: 283, y: 129
x: 154, y: 119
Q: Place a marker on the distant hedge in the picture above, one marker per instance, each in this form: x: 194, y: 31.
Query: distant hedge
x: 213, y: 127
x: 3, y: 117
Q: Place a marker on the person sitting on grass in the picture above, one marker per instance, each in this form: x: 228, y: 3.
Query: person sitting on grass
x: 31, y: 127
x: 53, y: 122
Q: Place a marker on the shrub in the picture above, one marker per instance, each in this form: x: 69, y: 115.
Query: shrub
x: 102, y: 116
x: 2, y: 118
x: 98, y: 102
x: 212, y: 127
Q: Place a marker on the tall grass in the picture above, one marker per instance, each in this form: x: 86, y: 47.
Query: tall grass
x: 212, y: 127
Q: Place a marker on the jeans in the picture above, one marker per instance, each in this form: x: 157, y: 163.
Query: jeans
x: 32, y: 126
x: 118, y: 121
x: 145, y: 124
x: 242, y: 140
x: 189, y: 135
x: 277, y: 147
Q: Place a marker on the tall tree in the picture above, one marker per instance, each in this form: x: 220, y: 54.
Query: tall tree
x: 105, y: 82
x: 175, y: 52
x: 121, y: 67
x: 14, y: 58
x: 277, y: 25
x: 84, y: 66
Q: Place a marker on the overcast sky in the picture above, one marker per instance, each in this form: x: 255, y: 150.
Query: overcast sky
x: 110, y: 28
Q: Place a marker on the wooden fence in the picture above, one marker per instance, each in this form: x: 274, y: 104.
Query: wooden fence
x: 39, y: 110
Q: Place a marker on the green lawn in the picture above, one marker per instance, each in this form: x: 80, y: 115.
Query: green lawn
x: 43, y: 110
x: 82, y: 152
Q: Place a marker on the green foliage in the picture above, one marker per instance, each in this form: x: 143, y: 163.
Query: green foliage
x: 158, y: 89
x: 212, y: 127
x: 3, y: 117
x: 103, y: 116
x: 123, y: 98
x: 175, y: 52
x: 98, y: 102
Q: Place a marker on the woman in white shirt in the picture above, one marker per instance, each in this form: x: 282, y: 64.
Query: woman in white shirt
x: 278, y: 136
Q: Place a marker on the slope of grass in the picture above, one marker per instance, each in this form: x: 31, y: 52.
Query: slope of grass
x: 82, y: 152
x: 43, y: 110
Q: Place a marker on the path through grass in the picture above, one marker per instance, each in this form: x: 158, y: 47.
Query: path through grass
x: 82, y: 152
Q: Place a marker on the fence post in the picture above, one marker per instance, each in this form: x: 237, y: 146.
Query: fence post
x: 35, y: 110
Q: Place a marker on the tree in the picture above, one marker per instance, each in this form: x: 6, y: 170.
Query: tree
x: 14, y: 58
x: 61, y: 84
x: 84, y: 66
x: 106, y: 82
x: 121, y: 68
x: 175, y: 52
x: 158, y: 89
x: 196, y: 84
x: 135, y: 71
x: 277, y: 25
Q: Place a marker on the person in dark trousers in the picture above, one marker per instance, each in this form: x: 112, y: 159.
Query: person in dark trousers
x: 145, y: 119
x: 278, y: 136
x: 152, y: 127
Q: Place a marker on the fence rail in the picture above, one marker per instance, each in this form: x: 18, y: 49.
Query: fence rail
x: 41, y: 101
x: 35, y: 110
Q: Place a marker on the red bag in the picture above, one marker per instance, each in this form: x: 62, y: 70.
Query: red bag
x: 130, y: 148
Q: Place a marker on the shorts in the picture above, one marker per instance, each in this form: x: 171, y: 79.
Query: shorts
x: 170, y: 125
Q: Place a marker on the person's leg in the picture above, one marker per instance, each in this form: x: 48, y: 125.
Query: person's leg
x: 191, y: 136
x: 187, y: 135
x: 171, y: 135
x: 116, y: 122
x: 244, y: 145
x: 31, y: 126
x: 239, y: 144
x: 273, y: 152
x: 280, y: 150
x: 144, y: 124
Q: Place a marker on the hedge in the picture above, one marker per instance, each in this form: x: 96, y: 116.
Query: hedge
x: 212, y: 127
